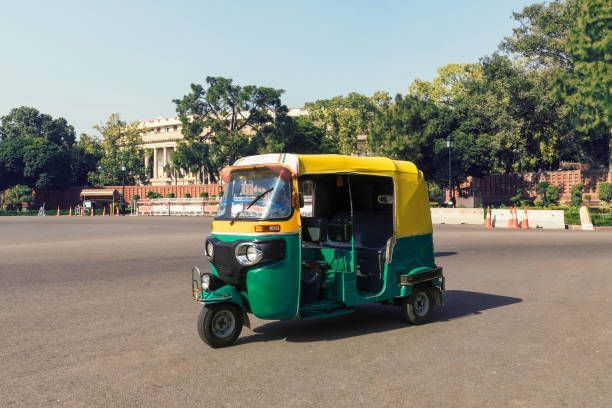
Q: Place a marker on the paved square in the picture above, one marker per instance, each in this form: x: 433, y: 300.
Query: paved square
x: 98, y: 312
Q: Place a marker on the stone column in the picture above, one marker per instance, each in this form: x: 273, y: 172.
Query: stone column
x: 165, y: 159
x: 155, y: 163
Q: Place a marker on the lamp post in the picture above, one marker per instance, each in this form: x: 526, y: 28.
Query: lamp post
x: 122, y: 188
x: 449, y: 144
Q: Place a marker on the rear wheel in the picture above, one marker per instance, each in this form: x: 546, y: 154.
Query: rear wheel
x: 219, y: 325
x: 417, y: 307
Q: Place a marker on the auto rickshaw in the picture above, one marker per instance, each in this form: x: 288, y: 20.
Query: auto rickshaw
x: 313, y: 236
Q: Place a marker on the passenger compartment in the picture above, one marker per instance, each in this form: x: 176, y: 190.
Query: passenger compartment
x: 349, y: 211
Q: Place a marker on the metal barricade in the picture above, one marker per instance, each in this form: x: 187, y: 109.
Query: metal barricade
x: 176, y: 206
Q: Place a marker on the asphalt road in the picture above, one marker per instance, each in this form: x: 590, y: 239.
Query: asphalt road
x: 98, y: 312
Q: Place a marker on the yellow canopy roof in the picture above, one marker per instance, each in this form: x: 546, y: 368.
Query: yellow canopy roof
x: 330, y: 163
x: 335, y: 163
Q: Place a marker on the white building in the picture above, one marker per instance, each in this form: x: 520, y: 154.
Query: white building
x: 162, y: 135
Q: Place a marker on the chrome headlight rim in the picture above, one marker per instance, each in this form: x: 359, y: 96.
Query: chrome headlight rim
x: 209, y: 250
x: 249, y: 253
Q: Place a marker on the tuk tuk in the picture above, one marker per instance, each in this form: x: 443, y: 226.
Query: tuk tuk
x: 313, y: 236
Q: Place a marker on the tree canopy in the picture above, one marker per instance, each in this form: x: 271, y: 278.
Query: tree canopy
x: 34, y: 150
x: 28, y: 122
x: 121, y: 145
x: 225, y: 117
x: 587, y: 88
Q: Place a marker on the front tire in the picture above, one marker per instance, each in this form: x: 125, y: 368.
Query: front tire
x: 417, y: 307
x: 219, y: 325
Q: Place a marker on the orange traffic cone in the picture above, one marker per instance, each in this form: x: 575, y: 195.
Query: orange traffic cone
x: 488, y: 222
x: 514, y: 220
x: 104, y: 211
x: 70, y: 211
x: 117, y: 213
x: 82, y: 212
x: 525, y: 224
x: 58, y: 211
x: 92, y: 211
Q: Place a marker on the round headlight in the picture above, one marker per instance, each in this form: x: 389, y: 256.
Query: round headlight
x: 205, y: 281
x: 253, y: 254
x: 248, y: 254
x: 210, y: 250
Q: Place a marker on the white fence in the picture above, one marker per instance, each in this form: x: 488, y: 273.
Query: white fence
x: 177, y: 206
x: 553, y: 219
x: 473, y: 216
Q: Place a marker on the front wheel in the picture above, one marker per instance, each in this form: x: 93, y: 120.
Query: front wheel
x: 417, y: 307
x: 219, y: 325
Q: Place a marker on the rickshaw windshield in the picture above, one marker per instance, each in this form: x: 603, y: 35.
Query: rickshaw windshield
x: 256, y: 194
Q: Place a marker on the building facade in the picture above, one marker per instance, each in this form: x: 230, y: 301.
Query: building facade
x: 161, y: 136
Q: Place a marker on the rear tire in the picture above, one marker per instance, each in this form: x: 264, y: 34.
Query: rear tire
x: 417, y: 307
x: 219, y: 325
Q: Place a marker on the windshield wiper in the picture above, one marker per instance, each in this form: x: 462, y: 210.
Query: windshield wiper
x: 251, y: 203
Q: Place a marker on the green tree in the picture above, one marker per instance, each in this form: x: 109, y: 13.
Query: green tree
x: 27, y: 122
x: 13, y: 197
x: 293, y: 135
x: 567, y: 43
x: 542, y: 33
x: 174, y: 171
x: 35, y: 149
x: 36, y: 162
x: 576, y: 194
x: 448, y: 85
x: 406, y: 130
x: 225, y: 117
x: 529, y: 128
x: 193, y: 157
x: 84, y: 157
x: 516, y: 199
x: 471, y: 156
x: 11, y: 162
x: 551, y: 195
x: 122, y: 147
x: 153, y: 194
x: 541, y: 188
x: 46, y: 164
x: 604, y: 191
x: 345, y: 118
x: 586, y: 88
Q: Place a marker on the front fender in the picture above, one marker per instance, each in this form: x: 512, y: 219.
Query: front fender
x: 227, y: 293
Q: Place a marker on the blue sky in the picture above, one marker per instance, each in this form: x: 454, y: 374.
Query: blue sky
x: 84, y: 60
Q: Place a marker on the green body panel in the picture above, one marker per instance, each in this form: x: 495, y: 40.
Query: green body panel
x: 227, y: 293
x: 410, y: 254
x: 273, y: 290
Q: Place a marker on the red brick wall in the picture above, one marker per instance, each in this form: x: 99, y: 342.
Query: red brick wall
x: 71, y: 196
x: 500, y: 187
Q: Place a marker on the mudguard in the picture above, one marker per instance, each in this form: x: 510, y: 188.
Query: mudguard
x: 227, y: 293
x: 406, y: 288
